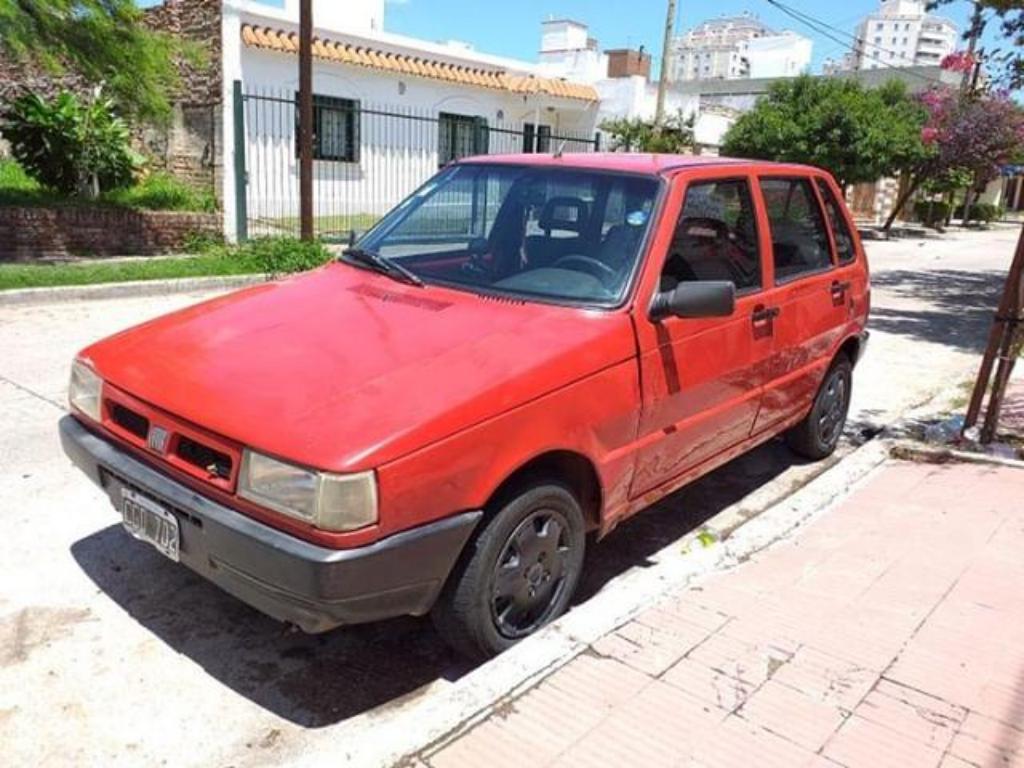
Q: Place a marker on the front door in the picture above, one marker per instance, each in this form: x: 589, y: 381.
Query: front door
x: 702, y: 378
x: 808, y: 299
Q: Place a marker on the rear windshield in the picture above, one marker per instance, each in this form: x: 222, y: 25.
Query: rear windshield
x: 550, y: 233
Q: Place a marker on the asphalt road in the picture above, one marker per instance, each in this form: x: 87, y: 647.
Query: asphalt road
x: 110, y: 654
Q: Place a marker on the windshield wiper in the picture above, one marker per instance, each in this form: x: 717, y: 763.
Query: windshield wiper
x: 383, y: 265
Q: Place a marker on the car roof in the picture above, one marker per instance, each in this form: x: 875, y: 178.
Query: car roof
x: 634, y: 162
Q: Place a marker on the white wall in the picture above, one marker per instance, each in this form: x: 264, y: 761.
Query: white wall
x: 784, y: 55
x: 397, y: 155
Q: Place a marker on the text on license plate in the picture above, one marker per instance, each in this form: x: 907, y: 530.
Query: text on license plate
x: 151, y: 522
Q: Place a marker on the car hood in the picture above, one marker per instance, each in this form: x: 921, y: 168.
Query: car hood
x: 344, y: 369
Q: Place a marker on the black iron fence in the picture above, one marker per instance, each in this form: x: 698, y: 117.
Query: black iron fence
x: 367, y: 157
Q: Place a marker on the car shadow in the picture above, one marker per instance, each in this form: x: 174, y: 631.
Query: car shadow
x: 951, y: 307
x: 319, y: 680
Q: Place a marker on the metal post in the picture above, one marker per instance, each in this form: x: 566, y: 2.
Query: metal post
x: 306, y: 119
x: 666, y: 59
x: 241, y: 179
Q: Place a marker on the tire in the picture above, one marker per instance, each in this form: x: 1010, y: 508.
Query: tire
x: 817, y: 436
x: 517, y: 574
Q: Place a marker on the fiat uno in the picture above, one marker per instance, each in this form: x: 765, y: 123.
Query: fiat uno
x: 522, y: 354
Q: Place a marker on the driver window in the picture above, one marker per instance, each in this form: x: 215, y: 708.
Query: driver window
x: 715, y: 237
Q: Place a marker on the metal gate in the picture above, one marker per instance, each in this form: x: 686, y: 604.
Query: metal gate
x: 367, y: 158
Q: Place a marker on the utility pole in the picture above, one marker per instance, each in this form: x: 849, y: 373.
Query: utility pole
x: 306, y: 119
x: 666, y: 62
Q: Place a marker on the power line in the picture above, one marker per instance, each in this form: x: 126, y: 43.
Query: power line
x: 826, y: 30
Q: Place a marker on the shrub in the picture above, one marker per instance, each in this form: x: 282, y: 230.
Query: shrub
x: 162, y: 192
x: 986, y: 213
x: 68, y: 146
x: 278, y: 255
x: 931, y: 213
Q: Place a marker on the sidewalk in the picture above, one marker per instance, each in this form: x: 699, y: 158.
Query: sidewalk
x: 889, y: 633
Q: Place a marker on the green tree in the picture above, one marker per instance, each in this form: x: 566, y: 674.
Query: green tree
x: 857, y: 134
x: 674, y: 136
x: 104, y: 41
x: 69, y: 146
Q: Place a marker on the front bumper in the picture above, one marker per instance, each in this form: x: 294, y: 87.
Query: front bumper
x: 285, y: 577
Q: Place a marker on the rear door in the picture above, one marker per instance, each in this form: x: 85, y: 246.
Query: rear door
x: 807, y: 299
x: 850, y: 287
x: 702, y: 378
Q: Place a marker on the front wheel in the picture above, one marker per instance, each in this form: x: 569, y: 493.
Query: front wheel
x: 817, y: 436
x: 518, y: 574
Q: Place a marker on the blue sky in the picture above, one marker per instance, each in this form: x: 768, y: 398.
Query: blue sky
x: 513, y: 28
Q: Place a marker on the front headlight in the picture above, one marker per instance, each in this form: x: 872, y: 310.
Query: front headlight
x: 85, y: 390
x: 328, y: 501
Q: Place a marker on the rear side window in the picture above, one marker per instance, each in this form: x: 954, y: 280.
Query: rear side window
x: 715, y: 237
x: 799, y: 238
x: 840, y: 231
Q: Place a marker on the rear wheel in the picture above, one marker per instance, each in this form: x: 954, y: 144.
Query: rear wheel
x: 518, y: 574
x: 817, y: 436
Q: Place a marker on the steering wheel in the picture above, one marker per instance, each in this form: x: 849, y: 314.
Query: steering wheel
x: 590, y: 265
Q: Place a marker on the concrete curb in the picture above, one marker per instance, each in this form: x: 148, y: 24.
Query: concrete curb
x: 439, y: 716
x: 133, y: 289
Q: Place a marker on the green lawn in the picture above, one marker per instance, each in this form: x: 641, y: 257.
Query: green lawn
x: 332, y: 226
x: 257, y: 256
x: 42, y: 275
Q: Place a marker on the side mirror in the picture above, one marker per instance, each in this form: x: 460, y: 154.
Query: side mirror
x: 705, y: 298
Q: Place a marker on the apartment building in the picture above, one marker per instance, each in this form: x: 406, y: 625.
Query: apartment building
x: 736, y: 47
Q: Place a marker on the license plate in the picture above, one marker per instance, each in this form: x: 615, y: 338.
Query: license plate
x: 151, y: 522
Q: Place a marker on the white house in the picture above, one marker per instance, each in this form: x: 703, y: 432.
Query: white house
x: 389, y: 111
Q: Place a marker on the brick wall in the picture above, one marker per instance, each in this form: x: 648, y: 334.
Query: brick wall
x: 30, y: 233
x: 625, y: 62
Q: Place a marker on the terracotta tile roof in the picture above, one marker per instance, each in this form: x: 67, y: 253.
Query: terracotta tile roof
x: 346, y: 53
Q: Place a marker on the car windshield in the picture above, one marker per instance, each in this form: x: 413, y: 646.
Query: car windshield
x: 556, y: 234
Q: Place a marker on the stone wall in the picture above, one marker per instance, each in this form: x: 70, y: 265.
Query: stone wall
x: 189, y: 146
x: 32, y: 233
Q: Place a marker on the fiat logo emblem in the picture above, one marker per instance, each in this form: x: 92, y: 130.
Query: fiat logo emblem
x: 157, y: 439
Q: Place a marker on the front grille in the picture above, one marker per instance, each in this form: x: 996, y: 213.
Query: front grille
x: 213, y: 462
x: 129, y: 420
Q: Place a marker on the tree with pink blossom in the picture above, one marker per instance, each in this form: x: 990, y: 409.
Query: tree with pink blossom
x: 974, y: 133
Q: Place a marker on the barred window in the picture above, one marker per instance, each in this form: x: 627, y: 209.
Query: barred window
x: 335, y: 128
x: 460, y: 136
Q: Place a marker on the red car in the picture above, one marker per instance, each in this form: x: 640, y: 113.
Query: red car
x: 527, y: 350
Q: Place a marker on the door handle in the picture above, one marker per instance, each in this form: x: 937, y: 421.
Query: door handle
x: 763, y: 315
x: 839, y: 288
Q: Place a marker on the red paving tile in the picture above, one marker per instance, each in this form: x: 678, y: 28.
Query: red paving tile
x: 888, y: 633
x: 700, y: 680
x: 793, y: 715
x: 861, y: 743
x: 986, y: 742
